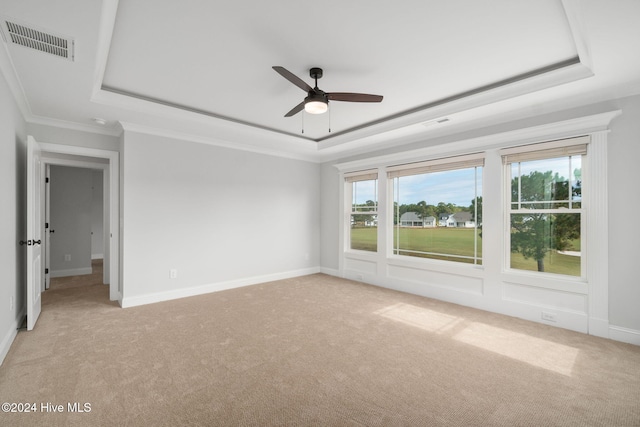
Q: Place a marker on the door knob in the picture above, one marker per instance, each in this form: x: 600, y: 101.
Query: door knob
x: 30, y: 242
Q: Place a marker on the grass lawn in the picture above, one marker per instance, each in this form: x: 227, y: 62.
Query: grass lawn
x: 553, y: 263
x: 364, y: 238
x: 458, y: 241
x: 439, y: 242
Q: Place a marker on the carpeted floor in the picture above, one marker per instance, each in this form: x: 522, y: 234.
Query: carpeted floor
x: 314, y: 350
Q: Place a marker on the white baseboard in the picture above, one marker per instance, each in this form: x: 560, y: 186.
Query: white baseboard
x: 330, y: 271
x: 97, y: 256
x: 618, y: 333
x: 599, y: 327
x: 71, y: 272
x: 213, y: 287
x: 10, y: 336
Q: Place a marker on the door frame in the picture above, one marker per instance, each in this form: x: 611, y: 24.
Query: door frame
x: 46, y: 236
x: 111, y: 175
x: 93, y: 166
x: 35, y: 228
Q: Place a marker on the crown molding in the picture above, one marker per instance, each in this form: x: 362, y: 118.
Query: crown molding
x: 109, y: 130
x: 541, y: 133
x: 210, y: 140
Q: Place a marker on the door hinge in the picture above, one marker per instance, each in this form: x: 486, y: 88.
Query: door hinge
x: 46, y: 271
x: 46, y: 225
x: 46, y: 180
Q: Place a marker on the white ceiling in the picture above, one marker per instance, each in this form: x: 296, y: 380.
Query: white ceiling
x: 202, y: 70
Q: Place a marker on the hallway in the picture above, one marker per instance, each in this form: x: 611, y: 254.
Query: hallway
x: 95, y: 278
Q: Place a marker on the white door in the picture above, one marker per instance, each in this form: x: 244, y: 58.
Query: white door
x: 35, y: 269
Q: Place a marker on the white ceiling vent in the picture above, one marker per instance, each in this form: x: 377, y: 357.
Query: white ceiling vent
x: 38, y: 39
x: 436, y: 121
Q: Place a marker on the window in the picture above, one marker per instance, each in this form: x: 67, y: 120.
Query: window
x: 437, y: 209
x: 363, y: 234
x: 545, y: 209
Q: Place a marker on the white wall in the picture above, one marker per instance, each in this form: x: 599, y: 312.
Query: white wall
x: 330, y: 217
x: 71, y: 218
x: 624, y: 205
x: 623, y: 150
x: 12, y: 217
x: 97, y: 214
x: 220, y: 217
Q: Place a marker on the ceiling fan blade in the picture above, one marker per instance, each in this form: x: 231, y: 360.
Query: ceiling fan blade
x: 295, y: 110
x: 354, y: 97
x: 292, y: 78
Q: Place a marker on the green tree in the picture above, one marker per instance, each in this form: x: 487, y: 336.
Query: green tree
x: 424, y: 210
x: 442, y: 208
x: 535, y: 234
x: 396, y: 209
x: 472, y: 208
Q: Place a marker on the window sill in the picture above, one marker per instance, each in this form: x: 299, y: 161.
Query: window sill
x: 426, y: 264
x: 546, y: 280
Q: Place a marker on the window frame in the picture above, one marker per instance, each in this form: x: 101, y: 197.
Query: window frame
x: 491, y: 286
x: 349, y: 179
x: 568, y: 147
x: 442, y: 164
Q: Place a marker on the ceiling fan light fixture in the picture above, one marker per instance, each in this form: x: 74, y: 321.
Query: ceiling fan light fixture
x: 317, y: 101
x: 316, y: 107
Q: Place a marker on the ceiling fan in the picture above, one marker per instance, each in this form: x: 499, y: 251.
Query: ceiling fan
x: 317, y: 101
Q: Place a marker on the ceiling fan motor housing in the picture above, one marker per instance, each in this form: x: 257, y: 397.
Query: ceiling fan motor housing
x: 315, y: 73
x: 313, y: 102
x: 317, y: 95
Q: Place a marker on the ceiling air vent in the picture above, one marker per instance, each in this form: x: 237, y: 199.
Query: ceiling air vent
x: 43, y: 41
x: 436, y: 121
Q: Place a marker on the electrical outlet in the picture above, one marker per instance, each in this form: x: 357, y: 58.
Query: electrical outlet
x: 551, y: 317
x: 173, y: 273
x: 67, y: 257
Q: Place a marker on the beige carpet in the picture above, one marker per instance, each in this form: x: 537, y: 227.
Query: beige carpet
x: 315, y: 350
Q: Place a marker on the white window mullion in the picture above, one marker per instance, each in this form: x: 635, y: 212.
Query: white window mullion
x: 475, y: 216
x: 396, y: 227
x: 382, y: 215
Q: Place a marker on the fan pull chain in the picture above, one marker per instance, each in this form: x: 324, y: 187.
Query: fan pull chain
x: 330, y: 120
x: 303, y: 122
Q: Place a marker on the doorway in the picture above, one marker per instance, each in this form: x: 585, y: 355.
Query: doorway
x: 75, y: 221
x: 107, y: 162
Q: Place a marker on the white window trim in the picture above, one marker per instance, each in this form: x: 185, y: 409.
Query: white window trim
x: 547, y: 150
x: 596, y: 125
x: 436, y: 165
x: 418, y: 168
x: 361, y: 175
x: 350, y: 178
